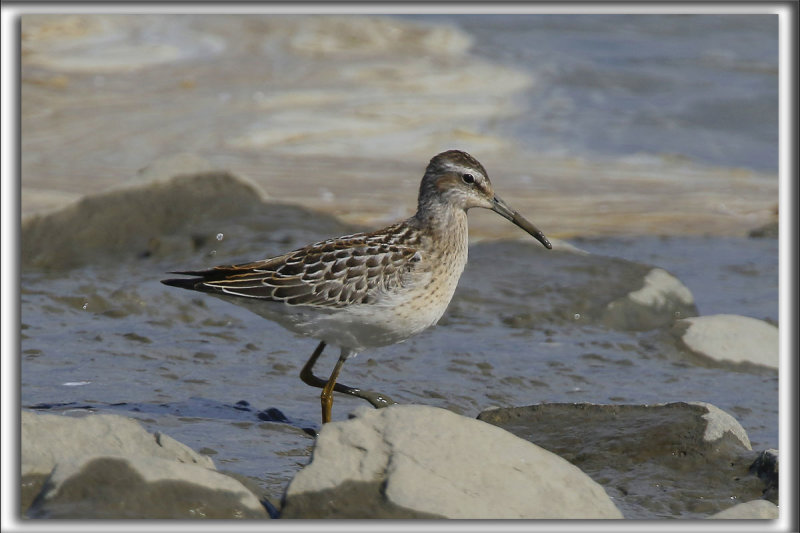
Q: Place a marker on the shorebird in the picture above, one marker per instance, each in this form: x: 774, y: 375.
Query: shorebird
x: 368, y: 290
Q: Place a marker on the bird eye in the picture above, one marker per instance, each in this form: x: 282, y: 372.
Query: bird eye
x: 468, y: 178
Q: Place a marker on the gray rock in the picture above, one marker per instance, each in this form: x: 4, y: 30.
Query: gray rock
x: 50, y: 439
x: 141, y: 487
x: 718, y: 423
x: 770, y: 230
x: 165, y: 218
x: 140, y: 216
x: 661, y: 299
x: 677, y: 460
x: 109, y: 466
x: 766, y: 468
x: 580, y: 288
x: 731, y: 338
x: 418, y: 461
x: 752, y: 510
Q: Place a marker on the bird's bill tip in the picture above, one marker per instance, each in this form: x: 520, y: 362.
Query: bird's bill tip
x: 505, y: 210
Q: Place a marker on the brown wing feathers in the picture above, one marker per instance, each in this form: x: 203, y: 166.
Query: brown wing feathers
x: 333, y: 273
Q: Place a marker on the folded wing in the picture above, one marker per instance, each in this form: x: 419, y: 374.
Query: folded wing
x: 358, y: 269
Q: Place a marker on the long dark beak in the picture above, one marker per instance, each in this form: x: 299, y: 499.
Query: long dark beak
x: 505, y: 211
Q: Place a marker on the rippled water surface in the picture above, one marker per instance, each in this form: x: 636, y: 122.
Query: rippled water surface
x: 519, y: 331
x: 702, y: 88
x: 643, y: 140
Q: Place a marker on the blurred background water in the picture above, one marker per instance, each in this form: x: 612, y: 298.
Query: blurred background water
x: 702, y: 88
x: 645, y: 139
x: 615, y: 124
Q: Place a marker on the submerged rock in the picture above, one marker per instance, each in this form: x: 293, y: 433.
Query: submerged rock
x: 568, y: 286
x: 415, y: 461
x: 675, y: 460
x: 770, y: 230
x: 165, y: 216
x: 661, y: 299
x: 731, y: 338
x: 108, y: 466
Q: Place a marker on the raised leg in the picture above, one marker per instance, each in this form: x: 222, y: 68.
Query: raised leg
x: 377, y: 399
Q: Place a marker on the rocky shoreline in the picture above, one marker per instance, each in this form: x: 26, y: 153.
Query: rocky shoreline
x: 550, y: 460
x: 547, y: 461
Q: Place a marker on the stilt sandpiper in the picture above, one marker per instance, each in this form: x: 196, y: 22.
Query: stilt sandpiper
x: 368, y: 290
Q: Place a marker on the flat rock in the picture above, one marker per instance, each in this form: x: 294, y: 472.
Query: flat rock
x: 158, y: 218
x: 674, y: 460
x: 109, y: 466
x: 580, y: 288
x: 731, y: 338
x: 140, y: 215
x: 51, y: 439
x: 414, y: 461
x: 141, y: 487
x: 752, y: 510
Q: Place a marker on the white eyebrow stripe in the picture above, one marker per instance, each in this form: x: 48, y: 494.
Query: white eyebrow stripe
x: 462, y: 169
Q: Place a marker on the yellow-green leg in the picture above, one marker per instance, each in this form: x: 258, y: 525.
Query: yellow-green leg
x: 327, y: 391
x: 377, y: 399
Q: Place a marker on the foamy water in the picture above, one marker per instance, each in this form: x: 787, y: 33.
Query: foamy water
x: 599, y: 125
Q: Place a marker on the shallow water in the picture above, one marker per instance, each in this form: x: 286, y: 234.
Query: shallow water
x: 736, y: 273
x: 524, y: 330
